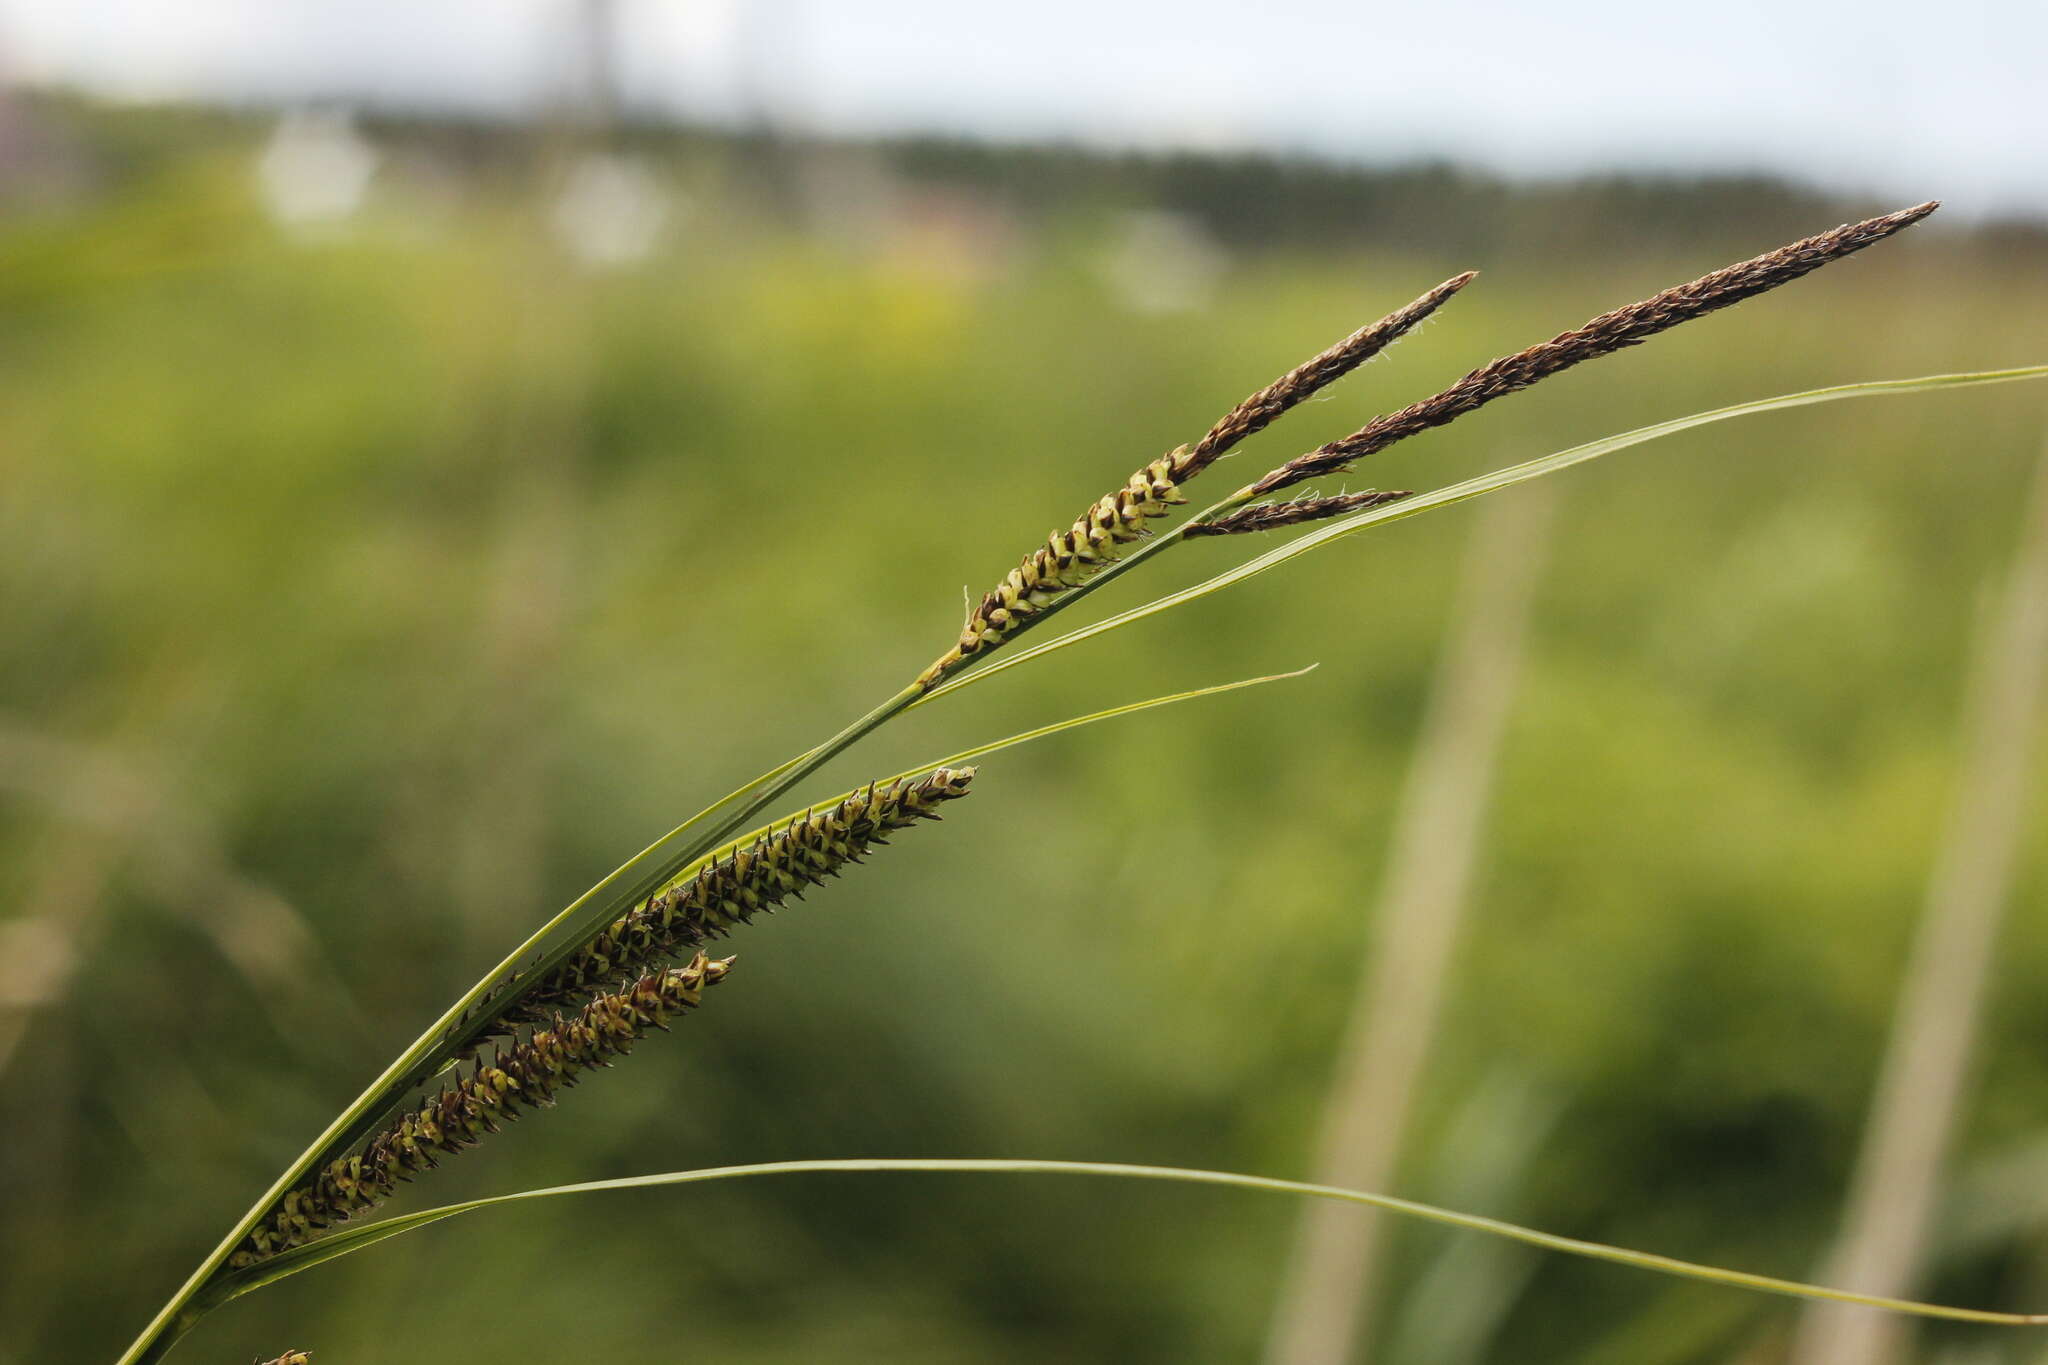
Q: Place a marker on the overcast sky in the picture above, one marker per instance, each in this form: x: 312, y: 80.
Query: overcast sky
x: 1899, y: 98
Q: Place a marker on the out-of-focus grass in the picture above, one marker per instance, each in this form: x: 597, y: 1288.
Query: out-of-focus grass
x: 423, y: 577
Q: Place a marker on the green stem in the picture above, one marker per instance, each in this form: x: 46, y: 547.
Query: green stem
x: 451, y: 1032
x: 186, y: 1308
x: 463, y: 1023
x: 342, y: 1244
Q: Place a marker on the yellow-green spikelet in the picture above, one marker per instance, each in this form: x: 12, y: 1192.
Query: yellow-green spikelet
x: 1068, y: 559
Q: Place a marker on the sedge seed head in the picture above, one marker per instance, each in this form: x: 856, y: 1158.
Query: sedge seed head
x: 1102, y: 534
x: 522, y: 1075
x: 754, y: 879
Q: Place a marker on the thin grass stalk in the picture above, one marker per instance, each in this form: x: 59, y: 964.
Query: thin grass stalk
x: 349, y: 1241
x: 1327, y: 1298
x: 1920, y: 1091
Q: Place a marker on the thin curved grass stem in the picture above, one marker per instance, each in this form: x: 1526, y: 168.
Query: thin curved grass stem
x: 305, y: 1258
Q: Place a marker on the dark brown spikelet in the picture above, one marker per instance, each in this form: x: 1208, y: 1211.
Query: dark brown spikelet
x: 1271, y: 516
x: 1259, y: 411
x: 1099, y: 535
x: 496, y: 1091
x: 752, y: 881
x: 1607, y: 333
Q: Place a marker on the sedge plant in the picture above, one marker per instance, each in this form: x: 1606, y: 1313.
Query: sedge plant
x: 627, y: 958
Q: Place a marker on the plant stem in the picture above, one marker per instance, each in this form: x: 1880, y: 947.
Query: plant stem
x: 633, y: 880
x: 452, y: 1031
x: 1924, y: 1078
x: 1327, y: 1301
x: 458, y: 1027
x: 448, y: 1035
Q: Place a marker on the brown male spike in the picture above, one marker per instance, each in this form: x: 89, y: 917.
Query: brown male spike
x: 1098, y: 536
x: 1605, y: 334
x: 1260, y: 410
x: 1271, y: 516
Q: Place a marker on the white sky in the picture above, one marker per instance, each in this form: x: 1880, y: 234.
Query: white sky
x: 1899, y: 98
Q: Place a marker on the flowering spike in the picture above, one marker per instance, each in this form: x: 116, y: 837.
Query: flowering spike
x: 754, y: 879
x: 1271, y: 516
x: 1100, y: 535
x: 526, y: 1073
x: 1068, y: 559
x: 1609, y: 332
x: 1260, y: 410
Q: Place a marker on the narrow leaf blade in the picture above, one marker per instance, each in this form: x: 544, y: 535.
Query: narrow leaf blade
x: 351, y: 1240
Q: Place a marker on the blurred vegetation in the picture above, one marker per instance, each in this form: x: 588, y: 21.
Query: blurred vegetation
x: 374, y: 585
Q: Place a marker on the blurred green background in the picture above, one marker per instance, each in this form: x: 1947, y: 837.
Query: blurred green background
x: 378, y: 574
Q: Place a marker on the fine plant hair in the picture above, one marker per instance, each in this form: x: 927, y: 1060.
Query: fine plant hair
x: 590, y: 982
